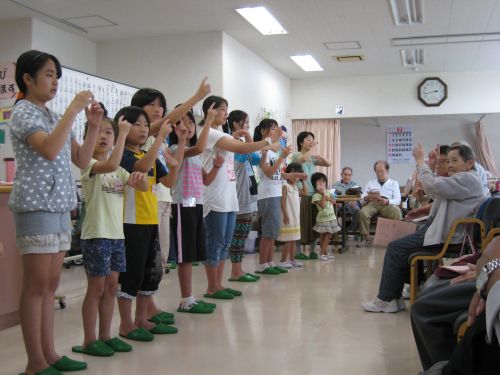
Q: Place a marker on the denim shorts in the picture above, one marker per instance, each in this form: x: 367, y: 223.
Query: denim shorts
x: 270, y: 217
x: 102, y: 255
x: 219, y: 228
x: 44, y: 243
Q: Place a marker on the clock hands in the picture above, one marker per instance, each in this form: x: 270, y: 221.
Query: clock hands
x: 430, y: 92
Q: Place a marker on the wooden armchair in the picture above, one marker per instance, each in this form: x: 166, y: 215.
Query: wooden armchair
x: 432, y: 256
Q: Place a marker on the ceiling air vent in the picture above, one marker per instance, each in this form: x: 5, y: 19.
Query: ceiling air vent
x: 348, y: 59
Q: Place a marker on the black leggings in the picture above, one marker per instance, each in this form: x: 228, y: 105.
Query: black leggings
x: 144, y: 271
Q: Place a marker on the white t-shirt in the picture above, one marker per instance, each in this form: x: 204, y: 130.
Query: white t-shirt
x: 270, y: 187
x: 220, y: 195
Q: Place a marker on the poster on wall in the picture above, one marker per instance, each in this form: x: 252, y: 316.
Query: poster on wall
x: 112, y: 94
x: 8, y: 87
x: 399, y: 144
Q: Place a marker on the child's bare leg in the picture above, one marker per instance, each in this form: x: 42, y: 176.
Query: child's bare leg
x: 95, y: 290
x: 107, y: 306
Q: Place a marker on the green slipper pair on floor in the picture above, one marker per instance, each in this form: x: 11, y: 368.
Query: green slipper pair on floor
x: 227, y: 293
x: 280, y: 269
x: 199, y: 307
x: 163, y: 329
x: 139, y: 334
x: 302, y: 256
x: 246, y: 278
x: 269, y: 271
x: 103, y: 348
x: 163, y: 317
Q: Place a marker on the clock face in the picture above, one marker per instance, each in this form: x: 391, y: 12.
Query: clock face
x: 432, y: 92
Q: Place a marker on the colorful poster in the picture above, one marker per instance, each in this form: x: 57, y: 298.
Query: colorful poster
x: 399, y: 144
x: 8, y: 87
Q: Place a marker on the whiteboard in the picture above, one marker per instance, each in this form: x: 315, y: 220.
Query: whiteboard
x: 113, y: 95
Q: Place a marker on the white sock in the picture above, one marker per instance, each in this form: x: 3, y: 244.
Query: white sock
x: 262, y: 267
x: 186, y: 302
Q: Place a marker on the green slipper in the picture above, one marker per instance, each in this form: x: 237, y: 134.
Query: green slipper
x: 163, y: 329
x: 211, y: 305
x: 220, y: 294
x: 163, y: 317
x: 119, y: 346
x: 281, y: 269
x: 234, y: 292
x: 48, y: 371
x: 196, y: 308
x: 67, y: 364
x: 269, y: 271
x: 97, y: 348
x: 302, y: 256
x: 139, y: 334
x: 312, y: 255
x: 171, y: 265
x: 195, y: 264
x: 256, y: 277
x: 244, y: 279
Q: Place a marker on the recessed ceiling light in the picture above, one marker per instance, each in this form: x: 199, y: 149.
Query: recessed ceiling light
x: 407, y: 12
x: 412, y: 58
x: 307, y: 63
x: 262, y: 20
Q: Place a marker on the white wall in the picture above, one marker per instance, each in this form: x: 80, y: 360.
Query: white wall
x: 376, y: 96
x: 72, y: 50
x: 250, y: 83
x: 173, y: 64
x: 363, y: 142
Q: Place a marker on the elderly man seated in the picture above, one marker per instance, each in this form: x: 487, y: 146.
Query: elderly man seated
x: 381, y: 196
x: 351, y: 208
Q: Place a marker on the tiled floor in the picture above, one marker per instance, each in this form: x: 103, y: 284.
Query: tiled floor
x: 308, y: 321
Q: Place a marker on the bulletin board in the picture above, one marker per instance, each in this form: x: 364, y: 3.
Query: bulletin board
x: 113, y: 95
x: 399, y: 144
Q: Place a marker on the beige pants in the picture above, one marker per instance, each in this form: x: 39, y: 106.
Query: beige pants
x: 365, y: 214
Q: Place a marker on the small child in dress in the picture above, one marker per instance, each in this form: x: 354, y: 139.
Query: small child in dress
x: 326, y: 221
x: 290, y: 216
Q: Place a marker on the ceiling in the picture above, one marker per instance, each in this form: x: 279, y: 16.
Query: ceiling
x: 309, y: 23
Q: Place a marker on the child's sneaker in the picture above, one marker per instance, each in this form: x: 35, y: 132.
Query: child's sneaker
x: 296, y: 264
x: 330, y: 256
x: 323, y: 257
x: 285, y: 265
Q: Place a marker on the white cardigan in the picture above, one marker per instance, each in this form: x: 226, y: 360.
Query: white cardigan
x: 455, y: 197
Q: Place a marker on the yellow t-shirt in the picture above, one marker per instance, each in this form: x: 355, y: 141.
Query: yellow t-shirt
x: 141, y: 207
x: 103, y: 196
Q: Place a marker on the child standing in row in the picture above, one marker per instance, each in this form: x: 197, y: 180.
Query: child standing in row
x: 102, y: 239
x: 326, y: 221
x: 269, y: 197
x: 43, y: 194
x: 144, y: 271
x: 290, y: 216
x: 188, y: 230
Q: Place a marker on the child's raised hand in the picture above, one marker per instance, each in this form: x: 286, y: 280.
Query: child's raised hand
x: 218, y: 160
x: 94, y: 114
x: 81, y: 100
x: 137, y: 178
x: 181, y: 132
x: 123, y: 125
x: 165, y: 129
x: 286, y: 151
x: 204, y: 89
x: 211, y: 113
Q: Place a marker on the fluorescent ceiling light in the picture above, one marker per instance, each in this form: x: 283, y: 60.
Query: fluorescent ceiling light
x: 407, y: 12
x: 262, y: 20
x: 342, y: 45
x: 307, y: 63
x: 412, y: 58
x: 446, y: 39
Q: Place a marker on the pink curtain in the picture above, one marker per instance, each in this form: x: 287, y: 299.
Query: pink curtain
x: 484, y: 155
x: 327, y: 133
